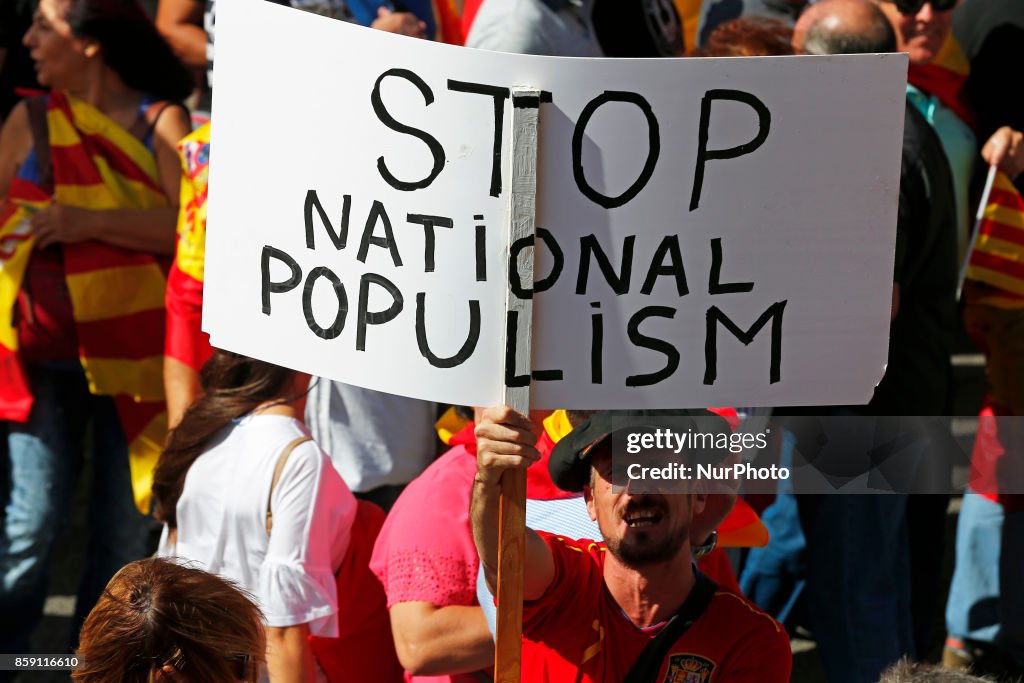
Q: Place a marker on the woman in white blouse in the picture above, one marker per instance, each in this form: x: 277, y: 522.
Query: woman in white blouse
x: 217, y: 488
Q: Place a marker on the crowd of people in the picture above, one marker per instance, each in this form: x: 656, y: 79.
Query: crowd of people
x: 311, y: 530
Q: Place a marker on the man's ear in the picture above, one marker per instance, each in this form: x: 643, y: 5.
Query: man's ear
x: 588, y: 496
x: 700, y: 497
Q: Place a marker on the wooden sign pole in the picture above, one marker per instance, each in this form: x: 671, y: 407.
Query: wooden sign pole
x: 512, y: 532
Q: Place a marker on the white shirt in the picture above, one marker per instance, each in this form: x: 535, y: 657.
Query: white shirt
x: 222, y: 521
x: 374, y: 439
x: 531, y: 27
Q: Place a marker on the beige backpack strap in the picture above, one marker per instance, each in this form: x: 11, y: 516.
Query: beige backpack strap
x: 278, y: 469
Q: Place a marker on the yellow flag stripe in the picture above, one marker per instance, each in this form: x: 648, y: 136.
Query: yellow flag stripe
x: 62, y: 131
x: 449, y: 424
x: 1003, y: 182
x: 139, y: 288
x: 1005, y: 215
x: 997, y: 247
x: 140, y: 379
x: 951, y: 56
x: 996, y: 279
x: 132, y: 193
x: 127, y: 191
x: 144, y: 452
x: 12, y: 271
x: 557, y: 425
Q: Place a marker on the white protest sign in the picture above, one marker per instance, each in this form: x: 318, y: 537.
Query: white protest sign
x: 710, y: 231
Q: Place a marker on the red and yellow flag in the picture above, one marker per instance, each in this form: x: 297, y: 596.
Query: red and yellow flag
x: 186, y: 342
x: 945, y: 78
x: 23, y: 199
x: 116, y: 294
x: 998, y: 256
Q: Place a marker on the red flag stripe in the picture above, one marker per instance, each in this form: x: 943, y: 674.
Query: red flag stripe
x: 8, y: 210
x: 92, y: 256
x: 1007, y: 199
x: 1001, y: 231
x: 129, y: 337
x: 15, y: 398
x: 71, y: 167
x: 28, y: 191
x: 136, y: 416
x: 119, y: 161
x: 992, y: 262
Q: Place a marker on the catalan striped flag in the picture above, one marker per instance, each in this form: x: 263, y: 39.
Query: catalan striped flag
x: 117, y: 295
x: 186, y: 342
x: 998, y: 256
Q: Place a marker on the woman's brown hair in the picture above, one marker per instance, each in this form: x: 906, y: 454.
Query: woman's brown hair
x: 155, y: 613
x: 233, y: 386
x: 750, y: 36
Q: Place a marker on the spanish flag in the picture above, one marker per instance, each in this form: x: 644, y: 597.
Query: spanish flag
x: 116, y: 294
x: 186, y: 342
x: 998, y: 256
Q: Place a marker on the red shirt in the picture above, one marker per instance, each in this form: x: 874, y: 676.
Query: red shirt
x: 577, y: 632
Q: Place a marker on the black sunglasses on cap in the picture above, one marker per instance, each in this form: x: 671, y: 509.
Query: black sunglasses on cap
x: 912, y: 7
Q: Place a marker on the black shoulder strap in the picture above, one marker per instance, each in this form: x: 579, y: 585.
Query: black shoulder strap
x: 646, y: 667
x: 145, y: 124
x: 40, y: 138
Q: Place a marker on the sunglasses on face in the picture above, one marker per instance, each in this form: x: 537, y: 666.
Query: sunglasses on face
x: 912, y: 7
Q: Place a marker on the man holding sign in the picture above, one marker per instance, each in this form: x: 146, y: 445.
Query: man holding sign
x: 630, y: 608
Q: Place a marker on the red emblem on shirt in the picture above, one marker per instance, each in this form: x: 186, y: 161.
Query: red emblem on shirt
x: 687, y: 668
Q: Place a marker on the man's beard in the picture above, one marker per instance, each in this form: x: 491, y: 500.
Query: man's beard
x: 642, y: 551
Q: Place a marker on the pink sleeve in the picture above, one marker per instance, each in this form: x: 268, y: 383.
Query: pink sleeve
x: 425, y: 550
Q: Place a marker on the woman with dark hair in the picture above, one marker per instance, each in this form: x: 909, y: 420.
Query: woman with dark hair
x: 88, y: 183
x: 245, y: 493
x: 161, y: 621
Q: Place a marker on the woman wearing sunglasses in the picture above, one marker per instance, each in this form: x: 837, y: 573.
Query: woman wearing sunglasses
x: 935, y: 87
x: 921, y: 26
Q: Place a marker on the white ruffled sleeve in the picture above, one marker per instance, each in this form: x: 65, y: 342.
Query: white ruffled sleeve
x: 296, y: 580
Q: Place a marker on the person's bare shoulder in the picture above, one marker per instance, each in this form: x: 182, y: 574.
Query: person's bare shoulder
x: 172, y: 125
x: 15, y: 144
